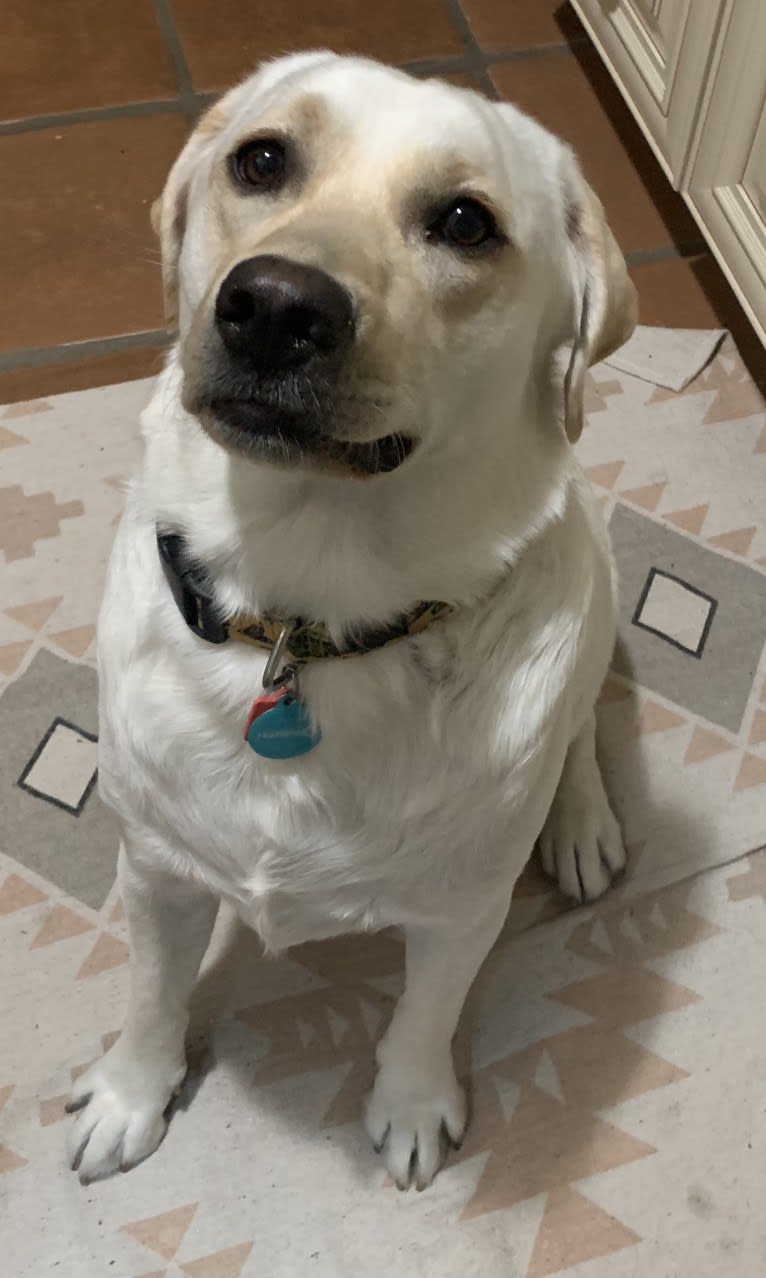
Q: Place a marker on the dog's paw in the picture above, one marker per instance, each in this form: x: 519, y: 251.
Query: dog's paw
x: 412, y: 1116
x: 581, y: 844
x: 121, y: 1118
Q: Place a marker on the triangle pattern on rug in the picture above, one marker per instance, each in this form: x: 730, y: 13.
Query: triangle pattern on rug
x: 17, y: 894
x: 612, y: 691
x: 758, y: 729
x: 738, y: 541
x: 35, y: 615
x: 690, y: 520
x: 706, y: 744
x: 9, y: 1161
x: 164, y: 1233
x: 75, y: 641
x: 606, y: 474
x: 53, y: 1109
x: 9, y: 439
x: 648, y: 497
x: 546, y: 1076
x: 227, y: 1263
x: 752, y: 772
x: 61, y: 924
x: 574, y: 1230
x: 108, y: 952
x: 654, y: 717
x: 28, y: 408
x: 11, y: 654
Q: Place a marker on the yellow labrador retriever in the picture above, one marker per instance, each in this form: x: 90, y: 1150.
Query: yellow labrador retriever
x: 360, y: 604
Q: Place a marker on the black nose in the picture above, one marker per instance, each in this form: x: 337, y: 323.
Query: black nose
x: 274, y: 314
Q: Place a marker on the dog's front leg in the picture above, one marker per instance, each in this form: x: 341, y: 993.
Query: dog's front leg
x: 123, y: 1097
x: 417, y: 1105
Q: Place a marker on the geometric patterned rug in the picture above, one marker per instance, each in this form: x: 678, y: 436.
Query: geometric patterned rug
x: 614, y: 1054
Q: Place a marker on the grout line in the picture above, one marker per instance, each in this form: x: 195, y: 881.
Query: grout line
x: 39, y: 356
x: 435, y: 66
x: 206, y: 98
x: 668, y: 253
x: 191, y: 103
x: 33, y: 123
x: 166, y: 19
x: 474, y: 59
x: 461, y: 62
x: 528, y: 53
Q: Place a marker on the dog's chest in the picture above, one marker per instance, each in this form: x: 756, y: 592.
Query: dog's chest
x: 358, y: 833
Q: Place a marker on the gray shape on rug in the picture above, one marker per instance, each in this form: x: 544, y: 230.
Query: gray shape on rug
x: 715, y: 682
x: 72, y: 845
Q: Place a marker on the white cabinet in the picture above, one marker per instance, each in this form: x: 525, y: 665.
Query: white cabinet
x: 694, y: 74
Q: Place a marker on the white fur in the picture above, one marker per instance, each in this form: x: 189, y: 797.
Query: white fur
x: 441, y: 754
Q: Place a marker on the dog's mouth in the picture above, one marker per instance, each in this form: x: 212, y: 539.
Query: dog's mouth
x: 291, y: 439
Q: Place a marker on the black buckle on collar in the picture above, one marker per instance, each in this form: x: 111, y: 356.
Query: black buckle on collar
x: 190, y: 590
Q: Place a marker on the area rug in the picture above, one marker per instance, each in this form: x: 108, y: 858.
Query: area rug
x: 613, y: 1053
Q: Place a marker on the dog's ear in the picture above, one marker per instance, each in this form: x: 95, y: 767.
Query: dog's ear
x: 168, y: 213
x: 605, y: 310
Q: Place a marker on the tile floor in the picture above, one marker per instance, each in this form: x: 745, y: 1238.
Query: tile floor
x: 97, y: 96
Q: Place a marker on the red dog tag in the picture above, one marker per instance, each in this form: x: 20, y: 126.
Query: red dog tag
x: 263, y: 702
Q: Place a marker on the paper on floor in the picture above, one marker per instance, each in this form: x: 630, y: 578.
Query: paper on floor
x: 670, y: 357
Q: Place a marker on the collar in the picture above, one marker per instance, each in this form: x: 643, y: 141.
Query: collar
x: 307, y: 641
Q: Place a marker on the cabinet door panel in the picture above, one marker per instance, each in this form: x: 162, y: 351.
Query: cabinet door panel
x: 727, y: 182
x: 658, y: 52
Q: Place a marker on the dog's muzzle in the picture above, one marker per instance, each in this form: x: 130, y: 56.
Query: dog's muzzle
x: 275, y: 315
x: 284, y: 330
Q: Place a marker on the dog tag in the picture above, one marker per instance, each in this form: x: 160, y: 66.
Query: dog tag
x: 263, y: 702
x: 282, y: 730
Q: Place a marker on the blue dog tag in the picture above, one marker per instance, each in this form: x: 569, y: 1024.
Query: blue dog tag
x: 284, y: 731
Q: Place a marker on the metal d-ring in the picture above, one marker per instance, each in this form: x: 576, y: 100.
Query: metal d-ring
x: 273, y: 677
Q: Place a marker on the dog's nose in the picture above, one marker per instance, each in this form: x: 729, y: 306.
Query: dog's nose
x: 275, y: 314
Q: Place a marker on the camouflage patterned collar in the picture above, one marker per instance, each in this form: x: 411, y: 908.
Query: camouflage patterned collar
x: 308, y: 641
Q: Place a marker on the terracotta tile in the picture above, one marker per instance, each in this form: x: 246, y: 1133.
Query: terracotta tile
x: 521, y: 24
x: 55, y: 379
x: 575, y: 98
x: 694, y: 293
x: 79, y: 257
x: 672, y: 294
x: 81, y: 53
x: 462, y: 79
x: 224, y: 39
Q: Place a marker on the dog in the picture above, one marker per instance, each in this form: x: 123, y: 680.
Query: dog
x: 360, y: 604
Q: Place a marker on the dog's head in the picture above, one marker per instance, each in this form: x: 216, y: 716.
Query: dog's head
x: 357, y: 261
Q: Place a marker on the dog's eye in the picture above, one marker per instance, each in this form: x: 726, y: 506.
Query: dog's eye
x: 260, y: 164
x: 466, y: 224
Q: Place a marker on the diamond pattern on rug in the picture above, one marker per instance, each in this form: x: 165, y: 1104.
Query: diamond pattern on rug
x: 675, y: 611
x: 53, y: 817
x: 62, y: 769
x: 707, y: 628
